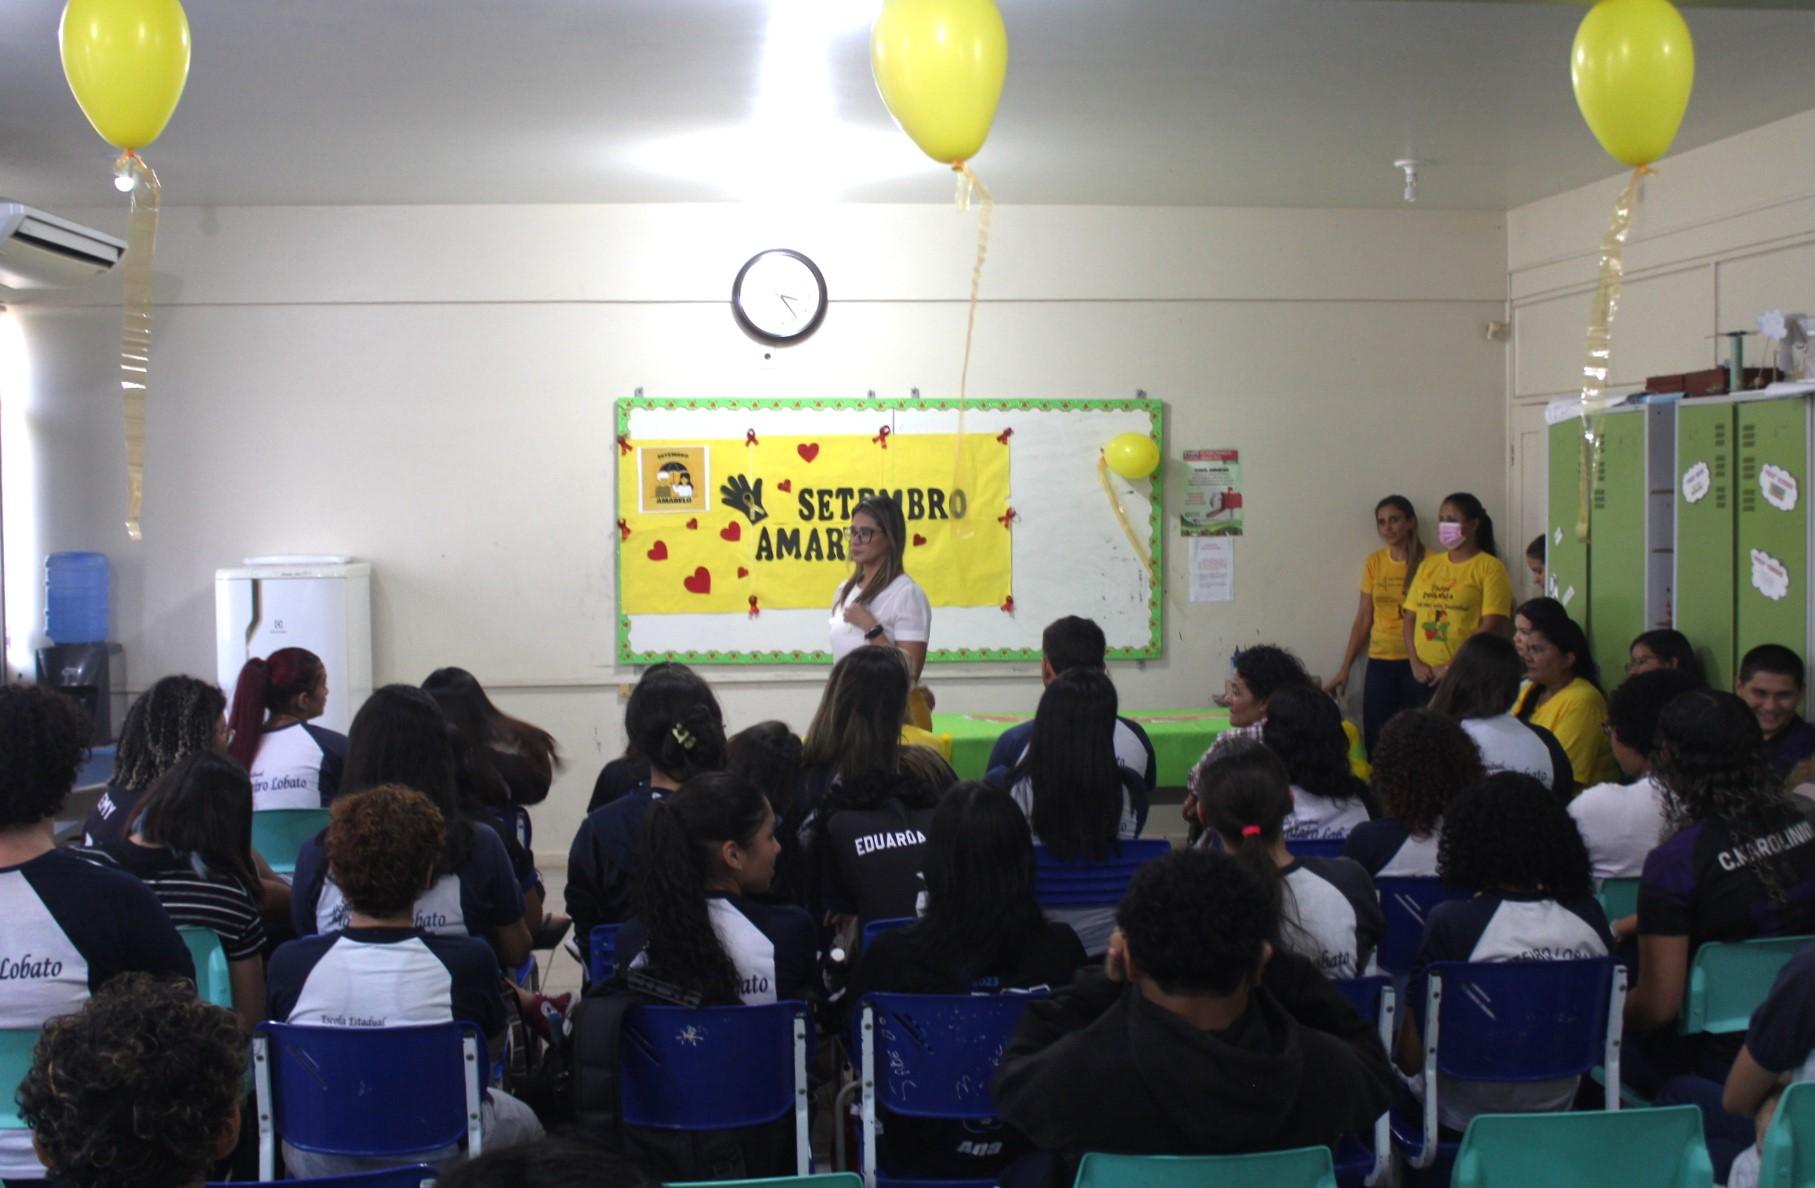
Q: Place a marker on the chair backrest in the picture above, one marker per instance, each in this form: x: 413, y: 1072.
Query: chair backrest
x: 823, y: 1180
x: 1375, y: 999
x: 1406, y: 902
x: 16, y: 1046
x: 712, y: 1068
x: 211, y: 981
x: 1728, y: 981
x: 416, y: 1175
x: 1059, y: 882
x: 1521, y: 1020
x: 1619, y: 897
x: 876, y: 928
x: 367, y: 1091
x: 934, y: 1055
x: 1315, y: 847
x: 602, y: 952
x: 1650, y: 1148
x: 1303, y: 1167
x: 277, y: 834
x: 1789, y: 1146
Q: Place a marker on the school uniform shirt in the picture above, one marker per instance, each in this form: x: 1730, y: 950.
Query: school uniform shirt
x: 1792, y: 746
x: 1577, y: 715
x: 482, y: 895
x: 1331, y: 915
x: 902, y: 609
x: 1448, y: 602
x: 385, y: 977
x: 106, y: 821
x: 1315, y: 816
x: 1507, y: 928
x: 1620, y: 824
x: 603, y: 859
x: 66, y: 927
x: 1127, y: 825
x: 1133, y: 750
x: 1507, y: 744
x: 297, y: 766
x: 1386, y: 849
x: 615, y: 779
x: 191, y: 895
x: 871, y: 859
x: 772, y: 946
x: 1782, y: 1041
x: 1094, y: 925
x: 1383, y: 581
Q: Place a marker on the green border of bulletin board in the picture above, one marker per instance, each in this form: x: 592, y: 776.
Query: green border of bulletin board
x: 1156, y: 536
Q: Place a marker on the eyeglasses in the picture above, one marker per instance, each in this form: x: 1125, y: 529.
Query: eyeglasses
x: 863, y: 535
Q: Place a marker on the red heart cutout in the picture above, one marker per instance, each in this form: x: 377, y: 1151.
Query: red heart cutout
x: 693, y: 523
x: 807, y: 452
x: 731, y: 531
x: 919, y: 540
x: 742, y: 572
x: 659, y: 551
x: 785, y: 486
x: 700, y: 582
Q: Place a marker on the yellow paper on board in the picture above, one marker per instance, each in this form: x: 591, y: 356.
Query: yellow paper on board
x: 768, y: 520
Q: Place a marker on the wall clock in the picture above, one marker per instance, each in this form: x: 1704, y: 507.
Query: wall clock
x: 779, y: 297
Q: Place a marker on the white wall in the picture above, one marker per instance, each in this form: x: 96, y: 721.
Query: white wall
x: 430, y: 388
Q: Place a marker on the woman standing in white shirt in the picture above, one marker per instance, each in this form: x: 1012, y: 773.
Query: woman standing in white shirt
x: 879, y: 605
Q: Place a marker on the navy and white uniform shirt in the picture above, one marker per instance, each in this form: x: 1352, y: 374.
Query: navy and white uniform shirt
x: 1331, y: 915
x: 1133, y: 750
x: 1386, y: 849
x: 385, y: 977
x: 297, y: 766
x: 770, y: 945
x: 106, y: 821
x: 66, y: 927
x: 1317, y: 817
x: 483, y: 894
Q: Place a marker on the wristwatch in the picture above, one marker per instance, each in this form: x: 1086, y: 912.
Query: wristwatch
x: 873, y: 632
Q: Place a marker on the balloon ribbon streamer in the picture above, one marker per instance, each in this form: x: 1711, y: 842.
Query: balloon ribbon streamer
x: 1597, y: 366
x: 969, y: 186
x: 1121, y: 515
x: 135, y: 336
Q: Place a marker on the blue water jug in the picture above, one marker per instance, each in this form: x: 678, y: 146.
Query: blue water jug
x: 75, y: 597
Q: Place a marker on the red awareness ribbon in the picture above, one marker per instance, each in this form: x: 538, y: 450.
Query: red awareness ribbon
x: 882, y: 437
x: 749, y: 437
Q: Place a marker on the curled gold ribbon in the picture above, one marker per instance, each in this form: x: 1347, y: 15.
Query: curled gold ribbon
x: 969, y: 186
x: 1597, y: 364
x: 1121, y: 515
x: 135, y: 335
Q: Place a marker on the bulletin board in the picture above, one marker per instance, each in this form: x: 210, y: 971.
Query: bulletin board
x: 731, y: 516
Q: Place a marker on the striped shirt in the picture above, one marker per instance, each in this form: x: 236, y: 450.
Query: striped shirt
x: 191, y: 898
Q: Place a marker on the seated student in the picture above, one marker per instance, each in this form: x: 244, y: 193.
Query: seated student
x: 617, y: 777
x: 140, y: 1088
x: 66, y: 926
x: 384, y: 845
x: 1478, y: 692
x: 1424, y: 762
x: 1623, y: 822
x: 175, y: 718
x: 1563, y: 694
x: 767, y: 757
x: 1255, y: 674
x: 1326, y: 907
x: 191, y: 843
x: 1739, y: 864
x: 1304, y: 728
x: 982, y: 933
x: 400, y: 737
x: 292, y: 763
x: 674, y: 721
x: 1069, y: 643
x: 1514, y: 845
x: 1194, y: 1038
x: 1779, y: 1050
x: 1770, y: 682
x: 1663, y: 648
x: 551, y: 1163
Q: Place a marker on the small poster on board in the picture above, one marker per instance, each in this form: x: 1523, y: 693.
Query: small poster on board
x: 1213, y: 494
x: 674, y: 479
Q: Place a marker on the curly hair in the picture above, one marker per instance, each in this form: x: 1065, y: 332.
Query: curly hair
x: 1511, y: 833
x: 172, y: 720
x: 1266, y: 669
x: 1634, y: 708
x: 1304, y: 728
x: 381, y: 845
x: 134, y: 1090
x: 1196, y: 922
x: 1420, y: 764
x: 43, y: 738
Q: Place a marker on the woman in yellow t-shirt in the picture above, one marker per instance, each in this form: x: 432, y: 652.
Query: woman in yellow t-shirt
x: 1561, y: 693
x: 1456, y: 593
x: 1389, y: 686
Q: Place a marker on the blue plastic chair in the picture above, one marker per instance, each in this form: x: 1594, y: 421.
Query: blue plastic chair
x: 602, y: 952
x: 1373, y: 998
x: 716, y: 1068
x: 1657, y: 1148
x: 1303, y: 1167
x: 417, y: 1175
x: 1789, y: 1148
x: 278, y: 834
x: 1060, y: 883
x: 16, y: 1044
x: 1315, y: 847
x: 372, y: 1092
x: 1406, y: 902
x: 941, y: 1055
x: 876, y: 928
x: 1513, y: 1021
x: 211, y: 981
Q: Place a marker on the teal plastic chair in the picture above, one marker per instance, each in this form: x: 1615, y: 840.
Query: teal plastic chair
x: 1619, y: 897
x: 826, y: 1180
x: 1789, y: 1147
x: 1304, y: 1167
x: 1728, y: 981
x: 277, y: 834
x: 1655, y: 1148
x: 211, y: 981
x: 16, y: 1046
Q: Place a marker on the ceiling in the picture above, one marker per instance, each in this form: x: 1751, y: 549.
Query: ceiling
x: 1146, y: 102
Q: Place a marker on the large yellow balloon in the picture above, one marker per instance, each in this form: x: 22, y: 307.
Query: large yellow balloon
x: 126, y: 62
x: 939, y: 65
x: 1132, y: 455
x: 1633, y: 67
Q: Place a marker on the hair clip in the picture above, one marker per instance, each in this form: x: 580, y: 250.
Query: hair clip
x: 1250, y: 831
x: 683, y: 736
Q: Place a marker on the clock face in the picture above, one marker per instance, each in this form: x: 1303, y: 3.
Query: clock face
x: 779, y: 297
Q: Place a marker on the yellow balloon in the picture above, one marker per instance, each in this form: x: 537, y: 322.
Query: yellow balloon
x: 126, y: 62
x: 1633, y: 67
x: 939, y: 65
x: 1132, y: 455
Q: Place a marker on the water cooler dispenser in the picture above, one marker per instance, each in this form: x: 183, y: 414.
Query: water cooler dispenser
x: 323, y: 604
x: 79, y: 662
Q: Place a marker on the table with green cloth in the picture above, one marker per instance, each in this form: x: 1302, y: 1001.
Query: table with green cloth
x: 1179, y: 737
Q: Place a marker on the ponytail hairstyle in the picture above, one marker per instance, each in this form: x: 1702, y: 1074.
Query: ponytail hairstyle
x: 176, y: 718
x: 881, y: 507
x: 674, y: 721
x: 202, y: 809
x: 1470, y: 508
x: 487, y: 728
x: 268, y: 687
x: 1414, y: 549
x: 683, y: 837
x: 1246, y: 797
x: 1071, y: 765
x: 399, y: 737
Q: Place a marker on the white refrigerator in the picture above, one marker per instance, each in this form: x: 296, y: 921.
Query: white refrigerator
x: 323, y: 604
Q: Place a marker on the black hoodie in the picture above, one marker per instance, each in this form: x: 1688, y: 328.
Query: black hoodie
x: 1097, y: 1067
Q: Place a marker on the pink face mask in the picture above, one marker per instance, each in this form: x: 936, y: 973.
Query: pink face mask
x: 1449, y: 534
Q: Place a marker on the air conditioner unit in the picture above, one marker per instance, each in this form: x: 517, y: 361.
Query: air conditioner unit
x: 42, y: 251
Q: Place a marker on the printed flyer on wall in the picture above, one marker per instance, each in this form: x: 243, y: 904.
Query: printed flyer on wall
x: 1213, y: 494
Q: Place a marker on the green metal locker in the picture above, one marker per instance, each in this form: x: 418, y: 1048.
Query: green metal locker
x: 1618, y: 552
x: 1773, y: 525
x: 1566, y: 557
x: 1705, y: 527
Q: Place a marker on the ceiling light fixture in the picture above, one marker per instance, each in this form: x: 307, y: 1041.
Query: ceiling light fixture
x: 1410, y: 165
